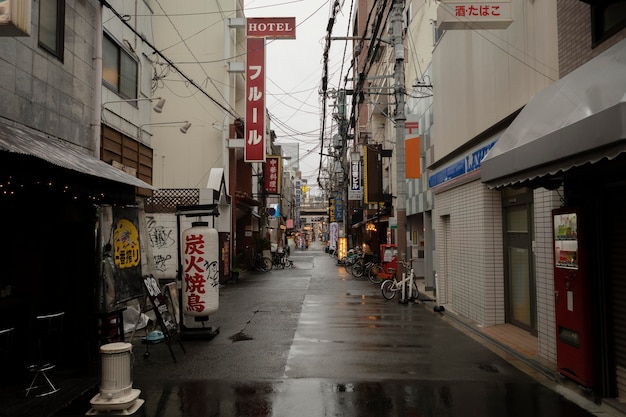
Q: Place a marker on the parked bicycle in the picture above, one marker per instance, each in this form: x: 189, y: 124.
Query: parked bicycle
x: 257, y: 263
x: 377, y: 273
x: 281, y: 260
x: 407, y: 286
x: 351, y: 262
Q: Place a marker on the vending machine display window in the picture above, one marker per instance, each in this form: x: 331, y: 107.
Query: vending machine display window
x: 566, y: 240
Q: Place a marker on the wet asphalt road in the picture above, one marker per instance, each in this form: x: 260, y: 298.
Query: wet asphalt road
x: 314, y: 341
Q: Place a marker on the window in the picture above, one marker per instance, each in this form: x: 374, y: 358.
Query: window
x: 52, y: 26
x: 119, y: 69
x: 607, y: 18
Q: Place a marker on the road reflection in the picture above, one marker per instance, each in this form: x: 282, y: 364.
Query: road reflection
x: 317, y: 398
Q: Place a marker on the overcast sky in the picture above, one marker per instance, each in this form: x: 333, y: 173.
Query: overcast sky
x: 294, y: 72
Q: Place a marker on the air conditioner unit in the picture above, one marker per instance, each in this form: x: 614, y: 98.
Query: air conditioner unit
x: 15, y: 17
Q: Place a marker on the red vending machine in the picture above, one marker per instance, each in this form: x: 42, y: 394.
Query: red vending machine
x: 389, y: 257
x: 571, y: 297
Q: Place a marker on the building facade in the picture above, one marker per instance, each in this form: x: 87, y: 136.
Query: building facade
x: 522, y: 137
x: 55, y: 186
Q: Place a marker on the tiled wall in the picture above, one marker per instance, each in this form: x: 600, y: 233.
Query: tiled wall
x: 470, y: 268
x: 545, y: 201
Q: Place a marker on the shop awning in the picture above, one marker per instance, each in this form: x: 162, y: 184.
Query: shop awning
x: 579, y: 119
x: 63, y: 154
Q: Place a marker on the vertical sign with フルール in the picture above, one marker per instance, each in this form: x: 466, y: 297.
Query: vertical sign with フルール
x: 257, y: 30
x: 254, y: 149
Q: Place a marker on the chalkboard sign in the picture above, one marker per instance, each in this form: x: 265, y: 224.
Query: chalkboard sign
x: 165, y: 318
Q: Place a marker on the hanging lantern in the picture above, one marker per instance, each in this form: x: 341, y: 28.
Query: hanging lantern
x: 200, y: 286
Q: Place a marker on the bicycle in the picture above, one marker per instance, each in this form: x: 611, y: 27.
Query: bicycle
x: 258, y: 263
x: 407, y: 285
x: 350, y: 262
x: 280, y: 260
x: 376, y: 273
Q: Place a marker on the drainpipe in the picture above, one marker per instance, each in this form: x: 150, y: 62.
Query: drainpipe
x: 97, y: 97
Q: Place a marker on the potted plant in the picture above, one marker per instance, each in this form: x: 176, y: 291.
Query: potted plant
x: 237, y: 266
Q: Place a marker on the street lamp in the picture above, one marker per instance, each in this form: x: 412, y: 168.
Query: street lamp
x: 183, y: 129
x: 158, y: 108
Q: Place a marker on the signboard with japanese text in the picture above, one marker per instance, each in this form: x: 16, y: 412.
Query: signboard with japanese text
x: 338, y: 203
x: 473, y: 15
x: 254, y: 146
x: 272, y: 174
x: 257, y: 30
x: 200, y: 286
x: 126, y: 254
x: 355, y: 191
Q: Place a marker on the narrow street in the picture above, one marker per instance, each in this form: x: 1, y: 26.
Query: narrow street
x: 314, y: 341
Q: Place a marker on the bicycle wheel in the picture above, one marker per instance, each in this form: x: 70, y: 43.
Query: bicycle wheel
x: 358, y: 269
x: 388, y: 290
x: 373, y: 274
x: 267, y: 262
x: 347, y: 264
x: 263, y: 264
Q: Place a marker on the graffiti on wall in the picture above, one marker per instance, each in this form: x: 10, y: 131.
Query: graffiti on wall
x: 162, y: 237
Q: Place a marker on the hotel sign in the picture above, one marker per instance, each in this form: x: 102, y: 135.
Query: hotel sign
x: 257, y: 30
x: 474, y: 15
x: 271, y: 27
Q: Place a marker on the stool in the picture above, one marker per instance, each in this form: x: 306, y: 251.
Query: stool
x: 6, y: 346
x: 6, y: 343
x: 49, y: 329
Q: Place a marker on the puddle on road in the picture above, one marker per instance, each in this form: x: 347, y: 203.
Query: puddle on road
x: 321, y: 397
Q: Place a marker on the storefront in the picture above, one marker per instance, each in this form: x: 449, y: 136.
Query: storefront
x: 50, y: 200
x: 571, y: 138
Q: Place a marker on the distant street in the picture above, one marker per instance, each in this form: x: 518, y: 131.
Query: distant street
x: 314, y: 341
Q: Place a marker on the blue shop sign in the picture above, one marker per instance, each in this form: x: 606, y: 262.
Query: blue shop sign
x: 338, y: 209
x: 467, y: 164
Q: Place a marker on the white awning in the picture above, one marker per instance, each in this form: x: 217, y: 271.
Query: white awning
x: 579, y: 119
x: 63, y: 154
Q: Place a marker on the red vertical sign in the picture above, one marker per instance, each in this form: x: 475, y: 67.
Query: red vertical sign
x: 257, y: 30
x: 254, y: 149
x: 271, y: 175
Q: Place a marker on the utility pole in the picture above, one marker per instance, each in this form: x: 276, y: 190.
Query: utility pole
x: 400, y: 119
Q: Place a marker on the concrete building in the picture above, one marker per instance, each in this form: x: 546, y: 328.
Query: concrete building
x: 55, y: 185
x: 527, y: 133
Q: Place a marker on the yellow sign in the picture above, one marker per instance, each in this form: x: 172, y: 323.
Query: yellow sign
x: 305, y: 189
x: 126, y: 244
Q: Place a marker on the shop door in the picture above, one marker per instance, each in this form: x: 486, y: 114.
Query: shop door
x: 520, y: 299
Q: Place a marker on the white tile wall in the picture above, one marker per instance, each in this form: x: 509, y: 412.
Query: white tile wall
x: 470, y: 275
x: 545, y: 201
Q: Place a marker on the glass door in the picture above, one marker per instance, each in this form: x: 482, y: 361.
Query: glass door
x: 519, y: 276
